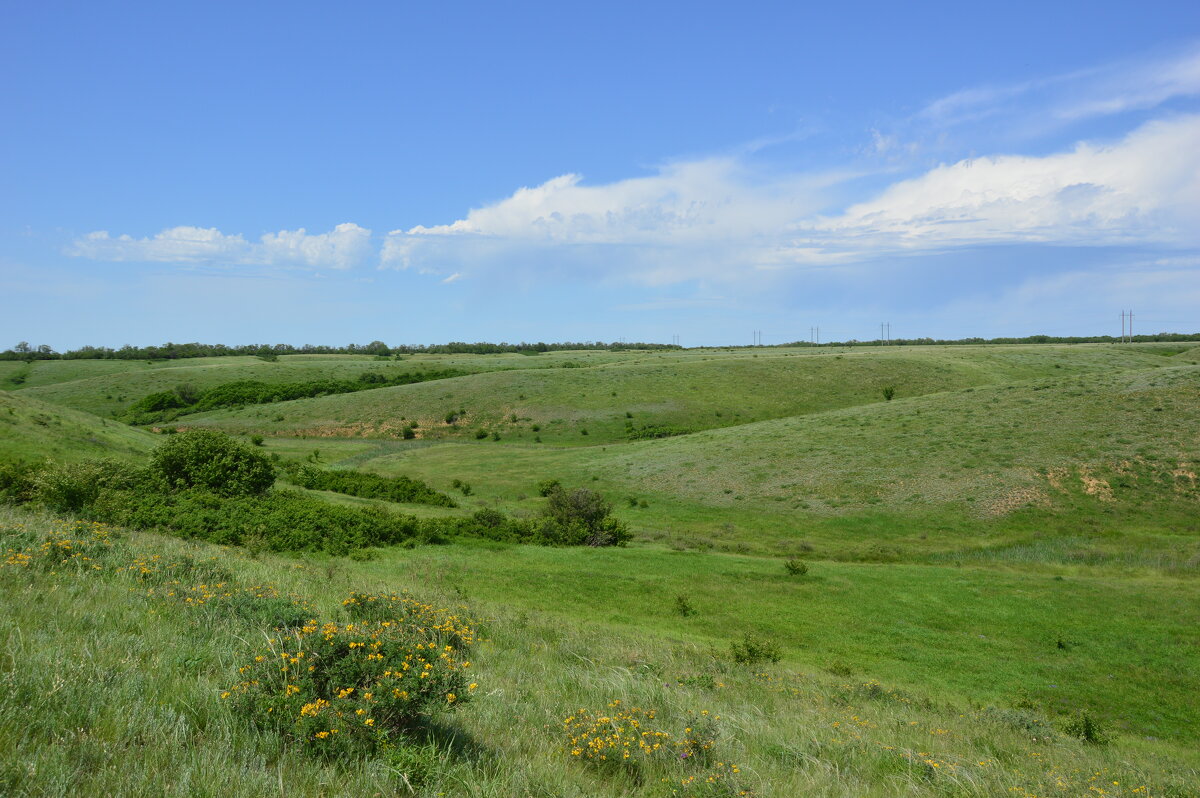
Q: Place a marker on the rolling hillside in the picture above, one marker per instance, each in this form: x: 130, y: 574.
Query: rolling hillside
x: 664, y: 395
x: 34, y: 430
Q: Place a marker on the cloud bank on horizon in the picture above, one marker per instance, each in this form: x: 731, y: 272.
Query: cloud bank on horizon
x: 721, y: 220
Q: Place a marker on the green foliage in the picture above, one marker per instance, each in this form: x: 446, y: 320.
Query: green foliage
x: 188, y: 393
x: 155, y: 406
x: 684, y: 607
x: 75, y: 487
x: 580, y: 517
x: 166, y: 405
x: 648, y: 432
x: 1086, y: 728
x: 752, y: 650
x: 17, y: 481
x: 795, y: 566
x: 888, y: 392
x: 368, y: 486
x: 199, y: 458
x: 548, y: 486
x: 350, y: 690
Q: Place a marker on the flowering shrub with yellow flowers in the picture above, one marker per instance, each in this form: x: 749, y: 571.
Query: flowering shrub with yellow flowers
x: 352, y: 689
x: 634, y: 740
x: 441, y: 624
x: 77, y: 545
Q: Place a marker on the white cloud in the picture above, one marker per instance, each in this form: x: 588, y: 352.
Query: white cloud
x: 1128, y: 85
x: 341, y: 248
x: 719, y: 219
x: 1143, y: 190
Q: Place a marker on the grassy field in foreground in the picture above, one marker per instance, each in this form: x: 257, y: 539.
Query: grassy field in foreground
x: 112, y: 688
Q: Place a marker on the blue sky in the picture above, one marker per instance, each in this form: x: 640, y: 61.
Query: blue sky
x: 311, y: 173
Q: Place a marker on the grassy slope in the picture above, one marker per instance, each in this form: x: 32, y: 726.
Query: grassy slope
x: 105, y: 387
x: 108, y: 692
x: 33, y: 430
x: 924, y: 471
x: 96, y: 390
x: 692, y: 391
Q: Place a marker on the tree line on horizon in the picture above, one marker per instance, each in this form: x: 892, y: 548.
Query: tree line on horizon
x: 172, y: 351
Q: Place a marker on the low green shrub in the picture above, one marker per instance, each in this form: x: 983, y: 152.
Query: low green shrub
x: 752, y: 650
x: 1086, y: 728
x: 795, y: 566
x: 368, y: 486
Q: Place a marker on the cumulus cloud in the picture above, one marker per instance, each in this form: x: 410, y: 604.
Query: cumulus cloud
x: 341, y: 248
x: 1144, y: 189
x: 718, y: 218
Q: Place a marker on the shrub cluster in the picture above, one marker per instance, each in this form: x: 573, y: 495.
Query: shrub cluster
x: 205, y: 485
x: 652, y: 431
x: 213, y: 461
x: 634, y: 740
x: 168, y: 405
x: 368, y: 486
x: 352, y: 689
x: 751, y: 650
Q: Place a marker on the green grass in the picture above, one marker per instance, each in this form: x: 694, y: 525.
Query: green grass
x: 108, y: 387
x: 675, y: 392
x: 925, y: 473
x: 1012, y: 539
x: 32, y: 430
x: 111, y: 691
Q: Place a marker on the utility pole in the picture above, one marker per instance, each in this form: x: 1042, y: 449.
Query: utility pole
x: 1131, y: 326
x: 885, y: 333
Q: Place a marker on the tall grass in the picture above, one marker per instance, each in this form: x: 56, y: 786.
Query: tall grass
x: 108, y: 689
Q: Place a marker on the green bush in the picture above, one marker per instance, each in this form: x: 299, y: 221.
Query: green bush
x: 368, y: 486
x: 199, y: 458
x: 75, y: 487
x: 17, y: 481
x: 795, y: 566
x: 353, y: 690
x: 580, y: 517
x: 753, y: 650
x: 1086, y: 728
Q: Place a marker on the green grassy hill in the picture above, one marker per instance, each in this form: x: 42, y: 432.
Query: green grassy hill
x: 665, y: 394
x: 32, y: 430
x: 857, y: 477
x: 1012, y: 540
x: 107, y: 387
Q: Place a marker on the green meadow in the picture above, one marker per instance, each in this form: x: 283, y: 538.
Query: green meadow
x: 867, y: 571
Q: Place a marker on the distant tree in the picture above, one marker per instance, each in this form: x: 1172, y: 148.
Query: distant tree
x: 582, y: 516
